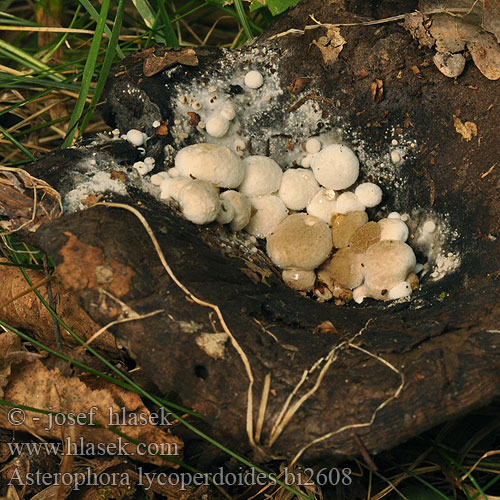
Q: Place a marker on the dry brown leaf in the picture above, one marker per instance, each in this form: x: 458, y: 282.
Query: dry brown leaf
x: 491, y: 17
x: 467, y: 130
x: 28, y: 313
x: 154, y: 63
x: 92, y: 199
x: 330, y: 45
x: 485, y: 52
x: 33, y: 384
x: 299, y: 84
x: 418, y: 25
x: 377, y: 90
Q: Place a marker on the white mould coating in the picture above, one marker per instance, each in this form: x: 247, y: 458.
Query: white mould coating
x: 212, y: 163
x: 241, y: 206
x: 269, y: 212
x: 199, y: 202
x: 336, y: 167
x: 323, y: 205
x: 393, y: 229
x: 262, y: 176
x: 298, y: 186
x: 349, y: 202
x: 254, y: 79
x: 369, y: 194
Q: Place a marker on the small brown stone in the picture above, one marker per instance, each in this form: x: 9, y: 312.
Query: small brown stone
x: 365, y: 237
x: 345, y: 268
x: 345, y: 225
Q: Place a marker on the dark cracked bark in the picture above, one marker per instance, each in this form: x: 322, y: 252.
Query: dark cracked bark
x: 437, y: 354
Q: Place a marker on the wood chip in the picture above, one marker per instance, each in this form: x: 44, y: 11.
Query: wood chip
x: 330, y: 45
x: 154, y: 63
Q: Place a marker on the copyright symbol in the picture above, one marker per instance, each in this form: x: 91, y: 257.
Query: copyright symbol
x: 16, y: 416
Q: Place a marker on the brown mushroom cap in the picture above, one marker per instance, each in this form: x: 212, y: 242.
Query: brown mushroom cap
x: 300, y: 241
x: 386, y: 264
x: 303, y: 281
x: 366, y: 236
x: 345, y: 225
x: 345, y: 268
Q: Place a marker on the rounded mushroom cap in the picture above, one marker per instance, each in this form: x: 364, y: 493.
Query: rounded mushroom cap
x: 269, y: 212
x: 451, y: 65
x: 135, y: 137
x: 298, y: 186
x: 313, y: 145
x: 211, y: 163
x: 345, y: 268
x: 323, y: 205
x: 254, y: 79
x: 262, y: 176
x: 336, y: 167
x: 199, y: 202
x: 399, y: 291
x: 344, y: 226
x: 241, y: 206
x: 369, y: 194
x: 156, y: 179
x: 171, y: 187
x: 349, y: 202
x: 393, y: 229
x: 217, y: 126
x: 385, y: 265
x: 226, y: 214
x: 300, y: 242
x: 300, y: 280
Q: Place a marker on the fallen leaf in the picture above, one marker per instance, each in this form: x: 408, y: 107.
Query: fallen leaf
x: 467, y: 130
x: 491, y: 17
x: 377, y: 90
x: 33, y: 384
x: 298, y: 85
x: 194, y: 118
x: 326, y: 327
x: 117, y: 175
x: 92, y: 199
x: 418, y: 25
x: 330, y: 45
x: 154, y: 63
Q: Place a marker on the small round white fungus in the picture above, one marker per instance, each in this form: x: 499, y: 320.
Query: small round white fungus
x: 156, y: 124
x: 349, y: 202
x: 196, y: 105
x: 142, y: 167
x: 171, y: 187
x: 313, y: 145
x: 262, y: 176
x: 254, y: 79
x: 228, y: 112
x: 336, y: 167
x: 157, y: 179
x: 405, y: 217
x: 269, y: 212
x: 323, y: 205
x: 135, y: 137
x: 226, y: 214
x: 149, y: 160
x: 359, y: 294
x: 199, y: 202
x: 298, y: 186
x: 394, y: 215
x: 395, y: 156
x: 217, y: 126
x: 300, y: 280
x: 212, y: 163
x: 429, y: 226
x: 369, y: 194
x: 393, y: 229
x: 401, y: 290
x: 242, y: 208
x: 174, y: 172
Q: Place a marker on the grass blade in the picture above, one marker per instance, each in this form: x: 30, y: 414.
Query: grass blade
x: 17, y: 143
x: 243, y: 19
x: 88, y: 74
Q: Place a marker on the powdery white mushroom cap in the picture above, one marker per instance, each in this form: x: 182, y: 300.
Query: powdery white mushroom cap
x: 429, y: 226
x: 393, y: 229
x: 212, y: 163
x: 217, y: 126
x: 199, y: 202
x: 385, y: 265
x: 313, y: 145
x: 300, y: 241
x: 135, y: 137
x: 323, y: 205
x: 269, y: 212
x: 228, y: 112
x: 369, y: 194
x: 300, y: 280
x: 226, y: 214
x: 349, y: 202
x: 242, y: 208
x: 254, y: 79
x: 394, y: 215
x: 336, y: 167
x: 157, y: 179
x: 171, y: 187
x: 262, y: 176
x: 174, y: 172
x: 298, y: 186
x: 399, y: 291
x: 142, y: 167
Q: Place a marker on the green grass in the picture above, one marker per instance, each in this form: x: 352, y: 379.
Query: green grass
x: 71, y: 69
